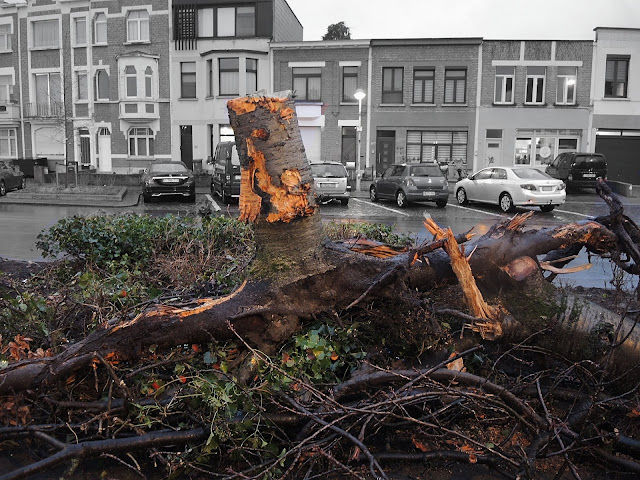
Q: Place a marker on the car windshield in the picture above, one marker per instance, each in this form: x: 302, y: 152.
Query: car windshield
x: 590, y: 161
x: 323, y: 170
x: 168, y: 168
x: 531, y: 174
x: 425, y: 171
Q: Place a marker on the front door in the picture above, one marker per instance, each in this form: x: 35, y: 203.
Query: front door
x: 492, y: 153
x: 85, y: 148
x: 186, y: 145
x: 386, y: 150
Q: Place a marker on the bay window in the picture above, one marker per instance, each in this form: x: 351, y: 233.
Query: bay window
x: 229, y: 69
x: 131, y: 81
x: 251, y: 75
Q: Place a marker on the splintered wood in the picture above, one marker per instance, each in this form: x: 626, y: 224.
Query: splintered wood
x: 473, y: 298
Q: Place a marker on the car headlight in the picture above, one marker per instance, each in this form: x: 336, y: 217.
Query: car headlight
x: 528, y: 186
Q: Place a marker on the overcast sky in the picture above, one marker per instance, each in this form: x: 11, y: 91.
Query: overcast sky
x: 491, y: 19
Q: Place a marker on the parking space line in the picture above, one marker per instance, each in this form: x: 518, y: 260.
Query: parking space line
x: 215, y: 206
x: 382, y: 206
x: 475, y: 210
x: 574, y: 213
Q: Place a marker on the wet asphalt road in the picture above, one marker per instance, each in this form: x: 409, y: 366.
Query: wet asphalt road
x: 20, y: 223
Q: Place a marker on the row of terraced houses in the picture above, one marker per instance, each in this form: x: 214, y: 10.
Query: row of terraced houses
x: 113, y: 85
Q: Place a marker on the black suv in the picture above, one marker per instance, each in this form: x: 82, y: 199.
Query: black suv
x: 225, y: 180
x: 578, y: 169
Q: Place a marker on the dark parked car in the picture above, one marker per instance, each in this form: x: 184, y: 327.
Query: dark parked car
x: 578, y: 169
x: 225, y: 180
x: 411, y: 182
x: 168, y: 179
x: 330, y: 179
x: 11, y: 178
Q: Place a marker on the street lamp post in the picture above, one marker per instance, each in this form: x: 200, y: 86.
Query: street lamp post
x: 359, y: 95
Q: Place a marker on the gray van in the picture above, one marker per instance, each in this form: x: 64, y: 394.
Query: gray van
x: 225, y: 179
x: 578, y: 169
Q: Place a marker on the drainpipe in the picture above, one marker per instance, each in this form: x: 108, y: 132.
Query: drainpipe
x: 369, y: 96
x: 20, y: 81
x: 478, y: 104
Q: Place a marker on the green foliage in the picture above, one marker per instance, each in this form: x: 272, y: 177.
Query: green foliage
x: 373, y: 231
x: 337, y: 31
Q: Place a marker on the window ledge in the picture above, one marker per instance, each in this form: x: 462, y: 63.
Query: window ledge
x: 100, y: 44
x: 455, y: 105
x: 35, y: 49
x: 137, y: 42
x: 565, y: 105
x: 309, y: 102
x: 422, y: 104
x: 511, y: 104
x: 392, y: 104
x: 616, y: 99
x: 228, y: 95
x: 79, y: 45
x: 6, y: 51
x: 188, y: 99
x: 349, y: 103
x: 535, y: 104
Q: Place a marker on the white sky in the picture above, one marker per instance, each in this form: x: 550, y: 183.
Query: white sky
x: 491, y: 19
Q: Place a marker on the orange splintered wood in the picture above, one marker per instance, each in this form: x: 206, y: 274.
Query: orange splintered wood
x: 373, y: 248
x: 290, y: 199
x: 472, y: 295
x: 244, y: 105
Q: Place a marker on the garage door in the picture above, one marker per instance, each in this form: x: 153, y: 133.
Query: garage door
x: 623, y: 157
x: 312, y: 139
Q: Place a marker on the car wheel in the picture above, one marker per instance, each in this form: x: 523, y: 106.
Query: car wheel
x: 461, y: 196
x: 401, y: 199
x: 3, y: 188
x: 23, y: 184
x: 506, y: 202
x: 373, y: 194
x: 344, y: 201
x: 441, y: 203
x: 547, y: 208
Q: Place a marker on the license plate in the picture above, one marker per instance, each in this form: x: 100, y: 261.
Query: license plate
x: 236, y: 177
x: 546, y: 189
x: 589, y: 175
x: 428, y: 194
x: 171, y: 180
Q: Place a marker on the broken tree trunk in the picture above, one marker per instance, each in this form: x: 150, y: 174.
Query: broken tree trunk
x: 297, y: 274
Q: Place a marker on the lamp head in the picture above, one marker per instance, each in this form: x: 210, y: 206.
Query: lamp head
x: 359, y: 94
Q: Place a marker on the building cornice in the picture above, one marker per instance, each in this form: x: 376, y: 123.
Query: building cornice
x: 320, y: 44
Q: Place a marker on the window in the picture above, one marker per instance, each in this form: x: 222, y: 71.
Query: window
x: 81, y: 80
x: 210, y: 88
x: 131, y: 81
x: 229, y: 76
x: 141, y: 142
x: 80, y: 28
x: 8, y: 146
x: 504, y: 85
x: 48, y: 92
x: 5, y: 37
x: 205, y: 22
x: 423, y: 85
x: 349, y: 83
x: 45, y: 34
x: 437, y: 146
x: 616, y: 77
x: 100, y: 28
x: 455, y: 85
x: 6, y: 85
x: 102, y: 85
x: 148, y: 82
x: 236, y: 22
x: 252, y: 75
x: 307, y: 83
x: 225, y: 133
x: 348, y: 152
x: 392, y: 84
x: 535, y: 85
x: 187, y: 79
x: 566, y: 89
x: 138, y: 26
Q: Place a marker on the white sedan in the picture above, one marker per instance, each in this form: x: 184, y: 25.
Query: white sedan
x: 511, y: 187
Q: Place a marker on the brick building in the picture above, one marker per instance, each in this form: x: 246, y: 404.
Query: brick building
x: 535, y: 101
x: 219, y: 51
x: 92, y: 85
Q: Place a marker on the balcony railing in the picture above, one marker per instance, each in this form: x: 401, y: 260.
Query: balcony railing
x: 44, y: 110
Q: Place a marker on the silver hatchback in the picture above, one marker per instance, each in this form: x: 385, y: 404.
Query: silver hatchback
x: 330, y: 179
x: 411, y: 182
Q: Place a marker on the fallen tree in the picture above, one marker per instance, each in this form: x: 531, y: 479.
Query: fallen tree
x: 297, y: 275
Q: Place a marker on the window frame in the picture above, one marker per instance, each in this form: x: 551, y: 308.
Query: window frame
x: 36, y: 23
x: 392, y: 90
x: 210, y: 79
x: 128, y: 76
x: 617, y: 59
x: 137, y: 24
x: 79, y: 90
x: 148, y: 82
x: 134, y: 134
x: 76, y: 31
x: 450, y: 146
x: 233, y: 34
x: 226, y: 70
x: 448, y: 77
x: 565, y: 86
x: 249, y: 71
x: 188, y: 75
x: 97, y: 84
x: 54, y: 100
x: 100, y: 28
x: 306, y: 73
x: 5, y: 43
x: 8, y: 88
x: 423, y: 81
x: 11, y: 138
x: 352, y: 72
x: 535, y: 79
x: 504, y: 78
